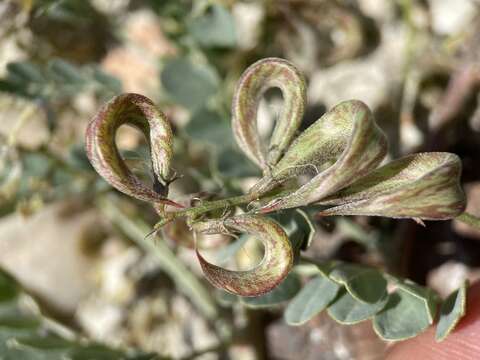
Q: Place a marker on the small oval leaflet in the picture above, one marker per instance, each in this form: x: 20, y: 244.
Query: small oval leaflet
x: 451, y: 311
x: 348, y: 310
x: 315, y: 296
x: 405, y: 315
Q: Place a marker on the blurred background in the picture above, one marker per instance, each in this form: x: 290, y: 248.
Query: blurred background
x: 79, y: 275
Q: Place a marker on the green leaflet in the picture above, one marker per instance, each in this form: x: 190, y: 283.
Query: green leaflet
x: 425, y: 186
x: 214, y: 28
x: 348, y: 310
x: 428, y: 296
x: 210, y: 127
x: 315, y: 296
x: 364, y: 284
x: 408, y: 312
x: 258, y: 78
x: 276, y: 263
x: 452, y: 310
x: 347, y: 137
x: 139, y: 111
x: 189, y: 84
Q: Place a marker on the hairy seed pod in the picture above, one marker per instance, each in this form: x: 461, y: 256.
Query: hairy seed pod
x: 339, y: 147
x: 422, y: 186
x: 276, y: 264
x: 258, y: 78
x: 102, y: 151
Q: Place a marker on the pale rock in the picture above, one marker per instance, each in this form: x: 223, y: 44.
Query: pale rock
x: 10, y: 52
x: 248, y: 18
x: 449, y: 17
x: 137, y: 72
x: 113, y: 269
x: 101, y: 320
x: 22, y: 122
x: 153, y: 319
x: 44, y: 253
x: 369, y: 79
x: 450, y: 276
x: 11, y: 41
x: 111, y: 7
x: 142, y: 30
x: 84, y: 102
x: 379, y: 10
x: 411, y: 137
x: 135, y: 63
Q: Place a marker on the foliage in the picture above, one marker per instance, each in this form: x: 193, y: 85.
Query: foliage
x: 290, y: 186
x: 342, y: 150
x: 27, y: 334
x: 58, y: 80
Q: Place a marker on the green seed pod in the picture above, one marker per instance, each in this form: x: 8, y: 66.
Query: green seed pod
x: 342, y: 145
x: 258, y: 78
x: 422, y: 186
x: 276, y: 264
x: 138, y: 111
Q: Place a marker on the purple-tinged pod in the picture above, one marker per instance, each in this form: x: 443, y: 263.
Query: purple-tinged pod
x: 259, y: 77
x: 339, y: 147
x: 140, y: 112
x: 274, y: 267
x: 421, y: 186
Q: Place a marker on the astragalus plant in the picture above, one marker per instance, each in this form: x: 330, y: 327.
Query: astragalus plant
x: 336, y: 164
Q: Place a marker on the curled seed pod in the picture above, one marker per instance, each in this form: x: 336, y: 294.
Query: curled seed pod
x: 276, y: 264
x: 341, y: 146
x: 423, y: 186
x: 102, y: 151
x: 258, y: 78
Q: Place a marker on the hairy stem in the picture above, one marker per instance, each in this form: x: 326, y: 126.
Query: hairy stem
x: 226, y: 204
x: 469, y: 219
x: 207, y: 206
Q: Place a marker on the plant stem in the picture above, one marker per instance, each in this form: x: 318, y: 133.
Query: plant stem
x: 469, y: 219
x: 215, y: 205
x: 195, y: 212
x: 185, y: 280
